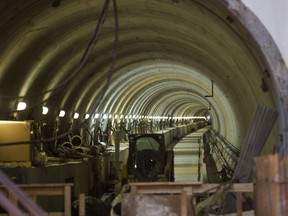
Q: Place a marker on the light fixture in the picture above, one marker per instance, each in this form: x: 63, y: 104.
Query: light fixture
x: 110, y: 116
x: 44, y: 110
x: 121, y: 116
x: 76, y: 115
x: 104, y: 116
x: 87, y: 116
x: 21, y: 106
x: 96, y: 115
x: 116, y: 116
x: 61, y: 113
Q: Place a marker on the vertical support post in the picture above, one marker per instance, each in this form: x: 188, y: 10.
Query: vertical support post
x: 117, y: 155
x: 82, y: 210
x: 239, y: 203
x: 183, y: 203
x: 283, y: 167
x: 67, y: 200
x: 267, y: 186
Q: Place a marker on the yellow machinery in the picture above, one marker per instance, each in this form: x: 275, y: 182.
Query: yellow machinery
x: 13, y: 138
x: 149, y: 159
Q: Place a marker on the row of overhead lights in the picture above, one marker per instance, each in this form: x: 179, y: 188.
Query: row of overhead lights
x: 22, y: 106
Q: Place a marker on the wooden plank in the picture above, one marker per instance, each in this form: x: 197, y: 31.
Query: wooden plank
x: 283, y: 178
x: 260, y: 187
x: 82, y: 204
x: 176, y: 188
x: 267, y: 186
x: 42, y: 189
x: 273, y: 175
x: 67, y: 200
x: 56, y: 213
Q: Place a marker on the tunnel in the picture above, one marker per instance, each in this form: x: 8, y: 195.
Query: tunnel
x: 146, y: 58
x: 140, y: 59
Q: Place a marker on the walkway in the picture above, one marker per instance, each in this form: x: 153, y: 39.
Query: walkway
x: 186, y: 157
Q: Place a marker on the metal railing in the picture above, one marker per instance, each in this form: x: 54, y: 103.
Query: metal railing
x: 223, y: 152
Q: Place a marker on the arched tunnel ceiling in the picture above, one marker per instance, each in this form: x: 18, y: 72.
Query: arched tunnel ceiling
x: 167, y: 56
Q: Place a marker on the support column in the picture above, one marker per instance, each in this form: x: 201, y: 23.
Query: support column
x: 271, y: 189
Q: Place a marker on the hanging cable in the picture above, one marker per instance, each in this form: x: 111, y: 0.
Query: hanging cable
x: 105, y: 88
x: 78, y: 67
x: 83, y: 60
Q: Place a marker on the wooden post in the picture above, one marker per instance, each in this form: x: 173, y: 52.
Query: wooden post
x: 283, y: 167
x: 67, y: 200
x: 82, y: 209
x: 239, y: 203
x: 183, y: 203
x: 268, y: 186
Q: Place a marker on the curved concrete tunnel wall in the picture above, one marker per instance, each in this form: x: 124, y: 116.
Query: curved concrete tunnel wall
x: 168, y: 53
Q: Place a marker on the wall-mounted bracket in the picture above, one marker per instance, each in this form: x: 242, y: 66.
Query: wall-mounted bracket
x: 212, y: 90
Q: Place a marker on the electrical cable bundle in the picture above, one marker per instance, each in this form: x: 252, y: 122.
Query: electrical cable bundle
x: 76, y: 70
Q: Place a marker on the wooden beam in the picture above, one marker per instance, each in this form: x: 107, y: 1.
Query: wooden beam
x: 176, y: 188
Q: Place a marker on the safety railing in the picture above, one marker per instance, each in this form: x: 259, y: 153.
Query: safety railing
x: 13, y: 196
x: 186, y: 193
x: 224, y: 152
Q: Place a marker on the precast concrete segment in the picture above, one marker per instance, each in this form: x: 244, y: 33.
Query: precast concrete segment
x: 188, y: 157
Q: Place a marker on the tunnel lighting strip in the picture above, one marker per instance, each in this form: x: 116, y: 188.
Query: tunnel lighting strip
x: 190, y: 117
x: 22, y: 105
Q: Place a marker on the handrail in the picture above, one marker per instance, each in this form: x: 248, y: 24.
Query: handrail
x: 224, y: 150
x: 177, y: 188
x: 9, y: 206
x: 233, y: 148
x: 187, y: 192
x: 27, y: 203
x: 9, y: 197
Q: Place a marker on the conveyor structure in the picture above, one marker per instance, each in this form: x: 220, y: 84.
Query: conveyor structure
x: 188, y: 158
